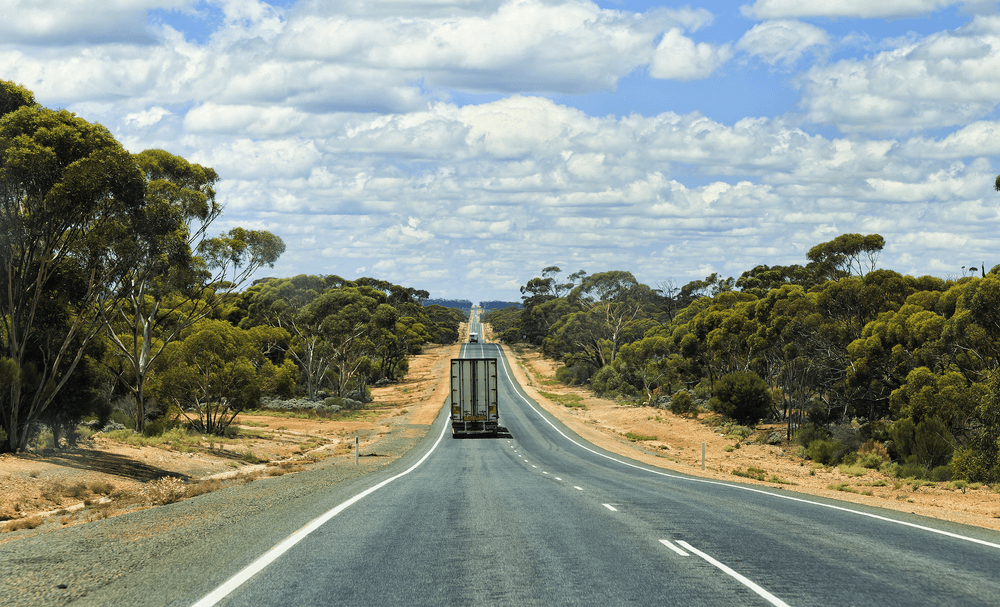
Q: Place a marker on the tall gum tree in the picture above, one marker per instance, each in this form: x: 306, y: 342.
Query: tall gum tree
x: 68, y: 192
x: 181, y: 276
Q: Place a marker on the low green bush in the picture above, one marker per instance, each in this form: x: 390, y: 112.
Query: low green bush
x: 807, y: 433
x: 576, y: 375
x: 824, y: 451
x: 912, y: 468
x: 742, y: 396
x: 941, y: 474
x: 682, y: 403
x: 632, y: 436
x: 870, y: 460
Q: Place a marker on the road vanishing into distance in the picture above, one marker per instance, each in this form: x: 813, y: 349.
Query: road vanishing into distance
x: 541, y: 517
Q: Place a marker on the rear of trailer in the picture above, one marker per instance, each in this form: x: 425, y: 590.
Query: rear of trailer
x: 474, y: 407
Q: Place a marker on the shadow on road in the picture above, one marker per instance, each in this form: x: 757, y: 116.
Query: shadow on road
x: 501, y: 433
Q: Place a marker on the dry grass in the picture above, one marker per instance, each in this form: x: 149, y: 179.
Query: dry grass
x: 166, y: 490
x: 25, y: 523
x: 203, y: 487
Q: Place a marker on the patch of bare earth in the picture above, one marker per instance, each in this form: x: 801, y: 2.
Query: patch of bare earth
x: 102, y: 477
x: 675, y: 442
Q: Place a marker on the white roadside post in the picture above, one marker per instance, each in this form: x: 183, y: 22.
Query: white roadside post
x: 703, y: 456
x: 356, y: 441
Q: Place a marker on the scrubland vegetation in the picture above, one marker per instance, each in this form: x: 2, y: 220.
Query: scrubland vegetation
x: 866, y: 368
x: 120, y: 312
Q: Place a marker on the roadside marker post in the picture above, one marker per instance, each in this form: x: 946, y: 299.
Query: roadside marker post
x: 703, y: 456
x: 356, y: 450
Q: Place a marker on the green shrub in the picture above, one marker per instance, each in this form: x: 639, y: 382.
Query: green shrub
x: 737, y: 431
x: 682, y: 403
x: 929, y: 442
x: 807, y: 433
x: 873, y: 461
x: 632, y: 436
x: 703, y: 391
x: 941, y: 474
x: 824, y: 451
x: 973, y: 464
x: 575, y: 375
x: 933, y: 443
x: 122, y: 418
x: 609, y: 382
x: 157, y: 427
x: 911, y: 468
x: 872, y: 454
x: 742, y: 396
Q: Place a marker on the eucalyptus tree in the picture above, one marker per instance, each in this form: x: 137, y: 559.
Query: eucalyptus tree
x: 181, y: 275
x: 68, y: 194
x: 216, y: 371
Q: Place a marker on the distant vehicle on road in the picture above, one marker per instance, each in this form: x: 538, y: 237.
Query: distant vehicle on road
x: 473, y: 338
x: 474, y: 407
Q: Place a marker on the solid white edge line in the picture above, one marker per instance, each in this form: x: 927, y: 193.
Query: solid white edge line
x: 751, y: 489
x: 674, y: 548
x: 764, y: 593
x: 271, y: 555
x: 610, y: 507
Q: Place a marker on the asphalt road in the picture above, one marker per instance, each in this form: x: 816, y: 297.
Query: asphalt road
x: 541, y: 517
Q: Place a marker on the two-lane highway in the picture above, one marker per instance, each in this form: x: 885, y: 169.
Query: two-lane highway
x: 545, y: 518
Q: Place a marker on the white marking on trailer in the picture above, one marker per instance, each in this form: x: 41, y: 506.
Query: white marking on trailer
x: 610, y: 507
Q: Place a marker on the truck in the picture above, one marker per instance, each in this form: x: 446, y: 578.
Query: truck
x: 473, y: 338
x: 473, y: 400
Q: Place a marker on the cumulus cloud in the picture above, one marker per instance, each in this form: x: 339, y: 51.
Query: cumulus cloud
x: 333, y: 125
x: 71, y: 22
x: 948, y: 78
x: 782, y: 41
x: 864, y: 9
x: 677, y: 57
x: 594, y: 192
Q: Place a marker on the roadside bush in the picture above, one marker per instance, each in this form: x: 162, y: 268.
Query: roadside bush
x: 743, y: 397
x: 912, y: 468
x: 807, y: 433
x: 929, y: 442
x: 872, y: 454
x: 824, y: 451
x: 122, y: 419
x: 941, y: 474
x: 682, y: 403
x: 158, y: 426
x: 970, y: 464
x: 609, y: 382
x: 575, y: 375
x: 703, y: 391
x: 298, y: 404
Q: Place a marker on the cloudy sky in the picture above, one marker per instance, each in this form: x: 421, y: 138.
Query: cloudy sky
x: 460, y: 146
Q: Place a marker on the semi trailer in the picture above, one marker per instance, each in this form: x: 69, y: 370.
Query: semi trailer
x: 474, y: 407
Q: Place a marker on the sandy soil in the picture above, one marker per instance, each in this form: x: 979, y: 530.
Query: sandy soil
x: 103, y: 478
